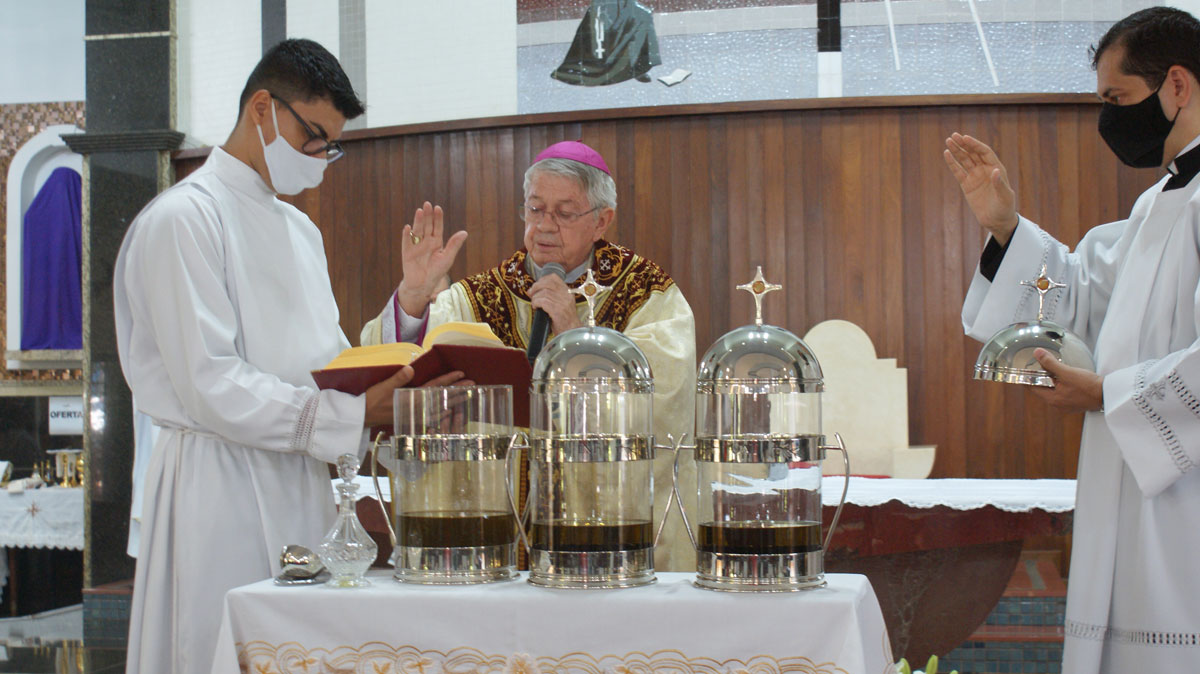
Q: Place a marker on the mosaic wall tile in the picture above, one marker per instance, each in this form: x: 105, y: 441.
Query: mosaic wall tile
x: 529, y: 11
x: 18, y: 123
x: 1035, y: 47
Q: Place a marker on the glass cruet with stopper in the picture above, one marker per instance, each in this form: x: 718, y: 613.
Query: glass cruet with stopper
x: 347, y: 550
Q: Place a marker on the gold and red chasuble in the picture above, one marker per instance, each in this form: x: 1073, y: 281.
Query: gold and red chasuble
x: 494, y: 294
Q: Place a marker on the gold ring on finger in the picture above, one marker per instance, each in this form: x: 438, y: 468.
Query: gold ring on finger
x: 414, y: 238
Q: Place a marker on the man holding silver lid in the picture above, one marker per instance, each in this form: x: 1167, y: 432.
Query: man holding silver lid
x: 1133, y: 293
x: 570, y: 202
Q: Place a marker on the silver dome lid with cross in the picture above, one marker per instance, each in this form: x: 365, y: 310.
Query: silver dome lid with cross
x: 1008, y: 356
x: 593, y: 352
x: 759, y: 352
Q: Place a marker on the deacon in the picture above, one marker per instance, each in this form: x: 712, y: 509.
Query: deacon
x: 223, y: 307
x: 570, y: 202
x: 1133, y: 293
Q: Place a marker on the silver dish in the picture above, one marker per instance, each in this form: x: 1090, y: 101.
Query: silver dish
x: 285, y: 579
x: 1008, y: 355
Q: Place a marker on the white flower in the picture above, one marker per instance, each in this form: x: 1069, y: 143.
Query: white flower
x: 521, y: 663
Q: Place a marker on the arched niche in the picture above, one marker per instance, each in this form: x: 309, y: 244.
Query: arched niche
x: 30, y: 167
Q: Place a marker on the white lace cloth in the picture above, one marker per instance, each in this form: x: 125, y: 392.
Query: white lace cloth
x: 51, y: 517
x: 1014, y: 496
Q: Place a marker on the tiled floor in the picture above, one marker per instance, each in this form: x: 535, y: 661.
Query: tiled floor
x: 1024, y: 631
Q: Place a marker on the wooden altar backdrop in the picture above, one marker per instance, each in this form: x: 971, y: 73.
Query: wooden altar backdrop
x: 846, y: 202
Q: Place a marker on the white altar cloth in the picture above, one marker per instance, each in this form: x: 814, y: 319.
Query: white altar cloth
x: 1015, y: 496
x: 51, y: 517
x: 514, y: 627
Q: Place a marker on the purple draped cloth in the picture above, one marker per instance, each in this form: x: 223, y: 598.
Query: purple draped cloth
x: 51, y: 305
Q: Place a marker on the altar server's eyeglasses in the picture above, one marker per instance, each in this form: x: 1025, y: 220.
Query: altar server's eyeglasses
x: 317, y: 143
x: 534, y: 215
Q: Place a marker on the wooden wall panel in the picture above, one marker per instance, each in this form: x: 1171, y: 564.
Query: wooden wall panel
x: 852, y: 209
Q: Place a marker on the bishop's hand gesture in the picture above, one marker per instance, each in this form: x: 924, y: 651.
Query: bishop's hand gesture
x: 426, y: 258
x: 984, y: 183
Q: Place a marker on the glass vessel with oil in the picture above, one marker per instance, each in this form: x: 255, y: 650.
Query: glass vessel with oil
x: 452, y: 523
x: 759, y: 448
x: 591, y: 461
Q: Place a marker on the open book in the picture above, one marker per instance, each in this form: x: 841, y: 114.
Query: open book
x: 469, y: 347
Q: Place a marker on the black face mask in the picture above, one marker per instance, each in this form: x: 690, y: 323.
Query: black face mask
x: 1136, y: 133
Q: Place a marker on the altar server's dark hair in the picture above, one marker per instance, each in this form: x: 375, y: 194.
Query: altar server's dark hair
x: 1155, y: 39
x: 302, y: 70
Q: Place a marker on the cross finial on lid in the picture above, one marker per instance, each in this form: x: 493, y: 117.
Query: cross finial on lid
x: 1043, y: 284
x: 758, y: 287
x: 590, y: 290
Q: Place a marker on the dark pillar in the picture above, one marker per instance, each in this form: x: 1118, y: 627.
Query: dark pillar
x: 352, y: 51
x: 130, y: 92
x: 829, y: 25
x: 274, y: 23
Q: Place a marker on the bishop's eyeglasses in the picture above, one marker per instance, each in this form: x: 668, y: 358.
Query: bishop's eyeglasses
x: 317, y: 143
x: 534, y: 215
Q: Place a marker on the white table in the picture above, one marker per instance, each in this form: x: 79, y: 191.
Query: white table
x: 514, y: 627
x: 50, y: 517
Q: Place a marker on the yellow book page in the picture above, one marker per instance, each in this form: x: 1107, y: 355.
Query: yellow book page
x: 461, y: 332
x: 396, y: 353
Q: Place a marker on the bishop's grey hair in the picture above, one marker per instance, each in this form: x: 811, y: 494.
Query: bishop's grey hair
x: 599, y: 186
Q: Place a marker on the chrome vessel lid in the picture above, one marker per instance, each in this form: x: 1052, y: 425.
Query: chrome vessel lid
x: 759, y: 353
x: 592, y: 352
x: 1008, y: 356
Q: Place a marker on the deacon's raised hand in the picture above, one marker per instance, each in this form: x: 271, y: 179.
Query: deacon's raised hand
x: 426, y: 257
x: 984, y: 183
x: 551, y: 294
x: 379, y: 397
x: 1075, y: 389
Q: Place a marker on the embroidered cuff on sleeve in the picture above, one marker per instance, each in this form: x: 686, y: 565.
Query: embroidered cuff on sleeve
x: 302, y: 433
x: 1151, y: 413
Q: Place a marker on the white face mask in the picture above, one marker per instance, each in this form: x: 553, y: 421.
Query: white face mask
x: 291, y: 170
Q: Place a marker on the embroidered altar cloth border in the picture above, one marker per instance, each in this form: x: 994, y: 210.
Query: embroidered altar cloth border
x: 515, y: 627
x: 1015, y: 496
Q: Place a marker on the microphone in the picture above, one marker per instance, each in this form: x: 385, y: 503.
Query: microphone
x: 541, y: 320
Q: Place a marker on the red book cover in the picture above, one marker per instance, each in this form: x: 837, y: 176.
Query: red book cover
x: 484, y: 365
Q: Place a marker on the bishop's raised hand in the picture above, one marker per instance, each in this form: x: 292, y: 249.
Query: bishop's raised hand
x: 984, y: 183
x: 426, y: 257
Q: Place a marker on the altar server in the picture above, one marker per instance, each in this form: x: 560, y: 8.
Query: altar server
x: 1133, y: 293
x: 223, y: 307
x: 570, y: 202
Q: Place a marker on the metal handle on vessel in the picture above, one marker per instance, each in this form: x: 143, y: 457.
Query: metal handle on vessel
x: 508, y: 487
x: 678, y: 499
x: 845, y: 488
x: 387, y: 518
x: 674, y: 447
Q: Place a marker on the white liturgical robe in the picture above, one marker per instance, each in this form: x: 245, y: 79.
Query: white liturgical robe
x: 223, y: 307
x: 645, y: 305
x: 1133, y: 293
